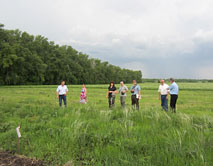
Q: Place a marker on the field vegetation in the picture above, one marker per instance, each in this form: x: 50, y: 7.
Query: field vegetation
x: 92, y: 134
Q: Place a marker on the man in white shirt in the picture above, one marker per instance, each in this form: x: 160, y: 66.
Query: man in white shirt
x: 163, y: 95
x: 61, y: 92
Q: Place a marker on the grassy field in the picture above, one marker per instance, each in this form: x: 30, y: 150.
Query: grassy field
x: 92, y: 135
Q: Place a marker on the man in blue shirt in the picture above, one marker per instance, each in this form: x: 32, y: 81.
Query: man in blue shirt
x: 136, y: 94
x: 173, y: 90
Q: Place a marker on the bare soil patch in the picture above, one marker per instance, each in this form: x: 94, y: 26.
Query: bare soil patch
x: 10, y: 159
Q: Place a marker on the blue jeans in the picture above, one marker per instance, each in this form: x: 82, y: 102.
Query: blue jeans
x: 64, y: 98
x: 164, y: 102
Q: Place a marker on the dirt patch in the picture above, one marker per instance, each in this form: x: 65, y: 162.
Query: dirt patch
x: 9, y: 159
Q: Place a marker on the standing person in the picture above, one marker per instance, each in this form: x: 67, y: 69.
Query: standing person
x: 62, y: 91
x: 123, y: 89
x: 111, y: 94
x: 163, y: 95
x: 174, y: 94
x: 83, y: 97
x: 136, y: 94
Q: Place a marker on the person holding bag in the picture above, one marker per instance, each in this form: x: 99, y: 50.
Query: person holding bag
x: 136, y: 94
x: 111, y: 94
x: 123, y: 89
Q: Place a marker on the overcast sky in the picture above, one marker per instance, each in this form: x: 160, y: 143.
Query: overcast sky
x: 162, y: 38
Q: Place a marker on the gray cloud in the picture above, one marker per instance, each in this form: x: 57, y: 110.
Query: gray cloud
x: 161, y: 38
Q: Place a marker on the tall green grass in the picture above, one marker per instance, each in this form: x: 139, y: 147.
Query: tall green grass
x: 93, y: 135
x: 118, y: 137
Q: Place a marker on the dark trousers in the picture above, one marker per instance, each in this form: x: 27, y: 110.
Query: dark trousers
x: 164, y: 102
x: 111, y: 101
x: 135, y: 101
x: 64, y: 98
x: 173, y: 102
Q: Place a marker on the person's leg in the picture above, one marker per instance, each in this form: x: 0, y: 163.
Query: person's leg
x: 124, y: 102
x: 175, y: 101
x: 172, y: 102
x: 162, y: 101
x: 85, y: 99
x: 137, y: 103
x: 133, y: 97
x: 60, y: 100
x: 123, y: 99
x: 113, y: 101
x: 110, y: 101
x: 65, y: 100
x: 166, y: 104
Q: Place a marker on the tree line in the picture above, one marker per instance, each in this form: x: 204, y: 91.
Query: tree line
x: 27, y: 59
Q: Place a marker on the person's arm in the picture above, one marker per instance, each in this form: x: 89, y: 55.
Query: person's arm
x: 126, y: 90
x: 167, y: 96
x: 85, y: 91
x: 131, y: 90
x: 139, y: 92
x: 57, y: 94
x: 66, y: 91
x: 159, y: 93
x: 170, y: 87
x: 114, y: 91
x: 107, y: 94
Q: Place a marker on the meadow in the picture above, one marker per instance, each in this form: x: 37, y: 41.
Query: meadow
x: 92, y: 134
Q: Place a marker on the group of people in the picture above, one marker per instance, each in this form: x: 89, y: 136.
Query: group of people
x: 62, y: 91
x: 135, y: 94
x: 164, y: 90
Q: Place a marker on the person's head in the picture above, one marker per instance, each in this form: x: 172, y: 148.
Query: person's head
x: 83, y: 85
x: 134, y: 82
x: 62, y: 82
x: 122, y: 83
x: 112, y: 83
x: 172, y: 80
x: 162, y: 82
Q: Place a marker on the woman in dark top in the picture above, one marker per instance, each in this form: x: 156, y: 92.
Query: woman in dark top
x: 111, y: 94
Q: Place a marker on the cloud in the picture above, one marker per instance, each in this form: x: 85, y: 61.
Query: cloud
x: 161, y: 38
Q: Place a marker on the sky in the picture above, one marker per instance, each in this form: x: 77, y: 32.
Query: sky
x: 162, y: 38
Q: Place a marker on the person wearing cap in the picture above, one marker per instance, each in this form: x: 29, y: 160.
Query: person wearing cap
x: 136, y: 94
x: 123, y: 89
x: 173, y: 90
x: 61, y: 92
x: 163, y: 95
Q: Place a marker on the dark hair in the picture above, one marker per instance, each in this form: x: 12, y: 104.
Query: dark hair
x: 112, y: 82
x: 172, y: 79
x: 62, y: 81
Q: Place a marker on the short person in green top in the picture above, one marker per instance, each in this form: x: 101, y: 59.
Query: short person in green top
x: 136, y: 94
x: 123, y: 89
x: 111, y: 94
